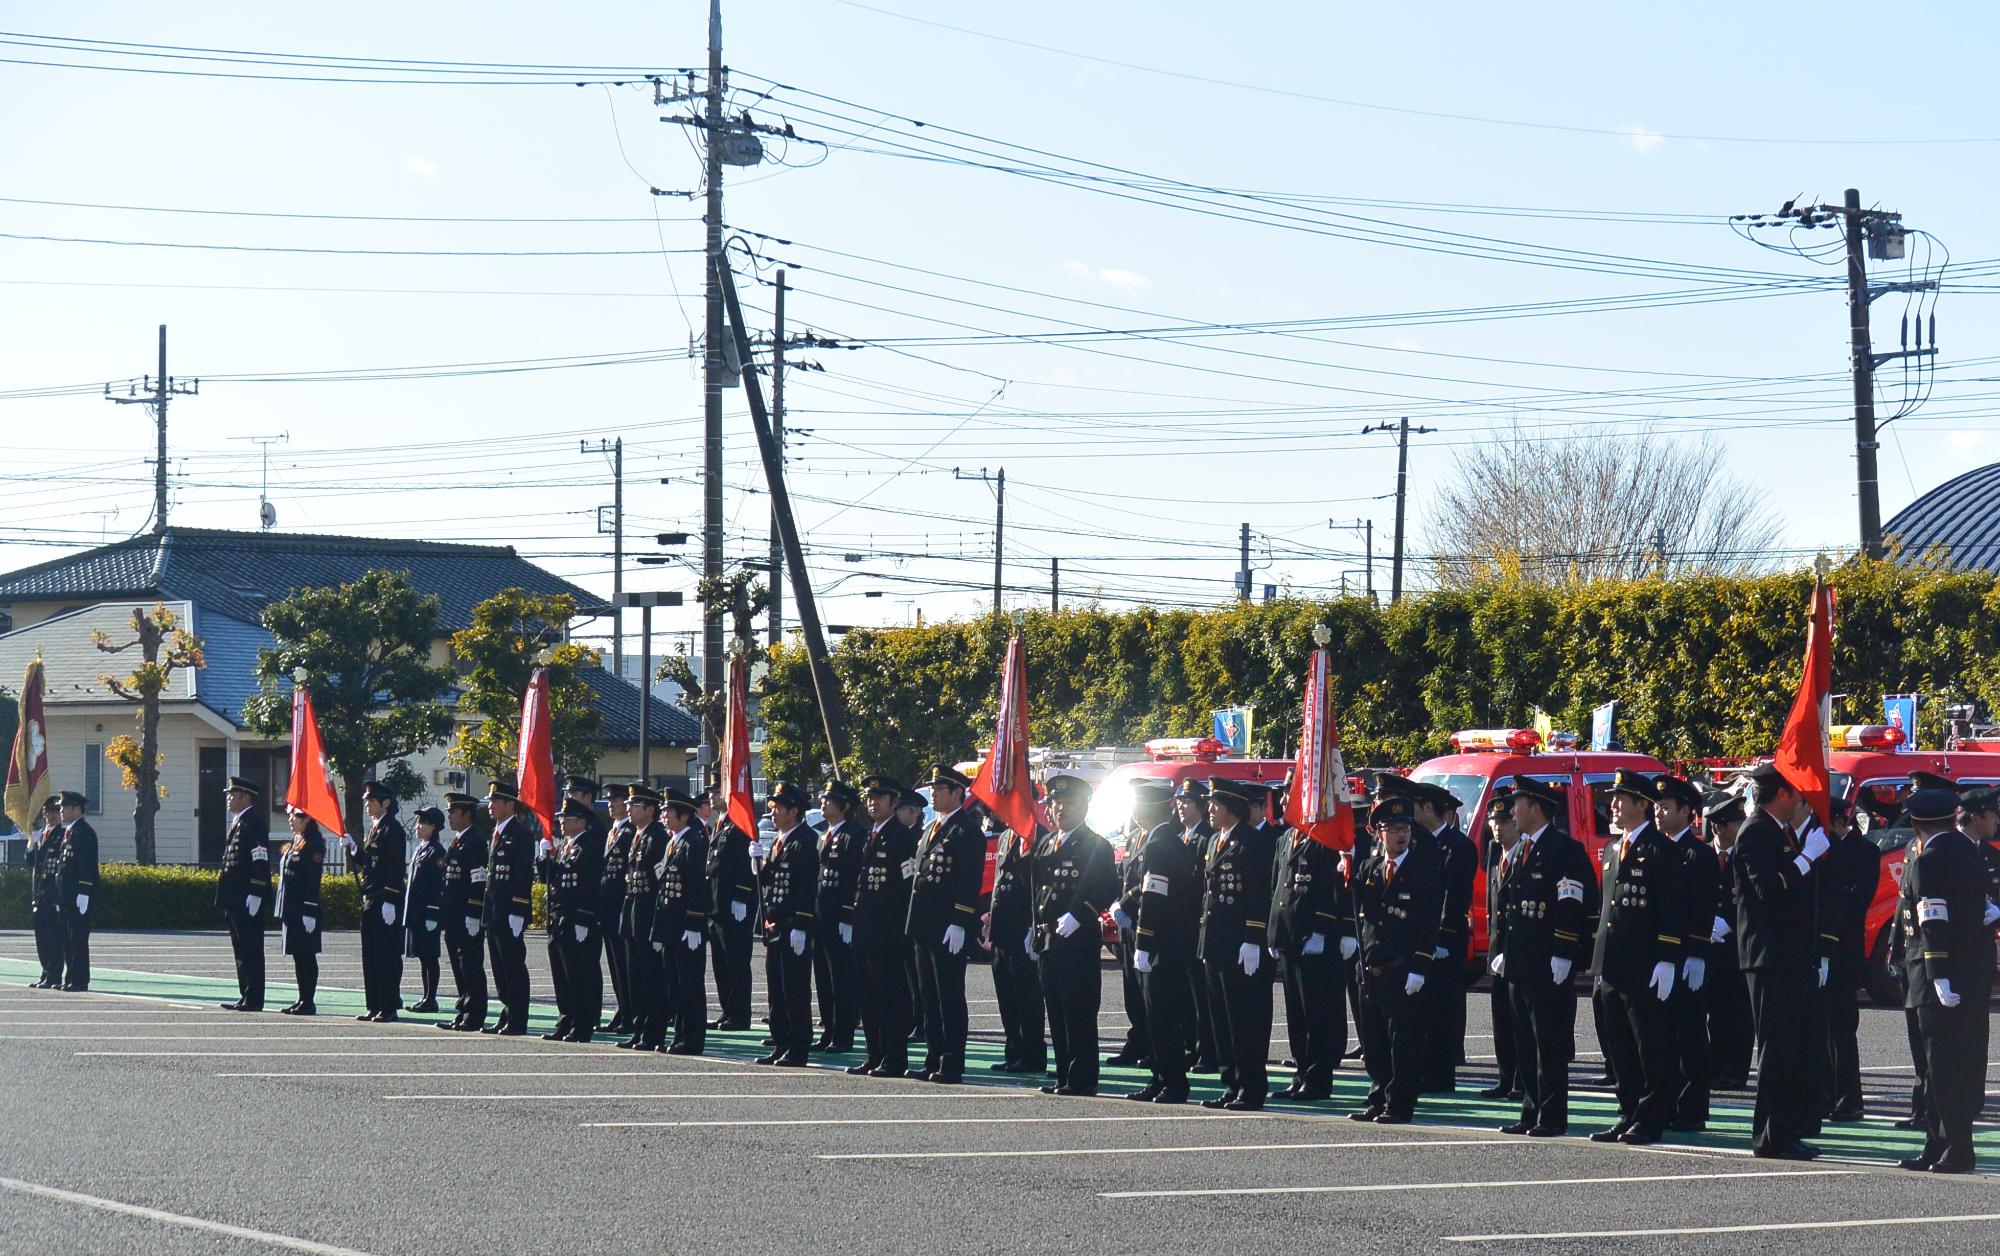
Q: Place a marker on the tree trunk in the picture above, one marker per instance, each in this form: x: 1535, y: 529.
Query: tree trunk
x: 147, y: 809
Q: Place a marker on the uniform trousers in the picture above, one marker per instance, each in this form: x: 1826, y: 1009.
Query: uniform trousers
x: 1137, y: 1036
x: 685, y: 975
x: 788, y: 988
x: 1443, y: 1002
x: 834, y: 982
x: 1241, y: 1007
x: 381, y: 961
x: 1017, y: 984
x: 1393, y: 1027
x: 614, y: 963
x: 941, y: 981
x: 1638, y: 1040
x: 1169, y: 1013
x: 913, y: 982
x: 885, y: 1003
x: 306, y: 969
x: 1544, y: 1042
x: 1843, y: 1047
x: 729, y: 954
x: 1955, y: 1059
x: 1201, y: 1020
x: 1073, y: 989
x: 1688, y: 1010
x: 1779, y: 1005
x: 1506, y: 1056
x: 1315, y: 1016
x: 510, y: 972
x: 1730, y: 1033
x: 49, y: 943
x: 468, y: 970
x: 76, y: 948
x: 651, y: 1014
x: 577, y: 971
x: 246, y: 944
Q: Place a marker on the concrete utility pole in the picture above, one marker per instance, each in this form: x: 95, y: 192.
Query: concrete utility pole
x: 154, y: 390
x: 1243, y: 566
x: 776, y: 632
x: 714, y: 366
x: 616, y: 448
x: 646, y: 602
x: 1055, y: 584
x: 999, y: 483
x: 1402, y: 429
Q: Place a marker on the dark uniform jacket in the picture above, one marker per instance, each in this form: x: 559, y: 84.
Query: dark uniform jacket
x: 1701, y: 894
x: 1775, y: 906
x: 1547, y: 894
x: 1494, y: 856
x: 382, y: 863
x: 76, y: 868
x: 1073, y: 875
x: 1644, y: 913
x: 300, y: 869
x: 246, y: 863
x: 951, y: 865
x: 575, y: 877
x: 789, y: 881
x: 510, y: 875
x: 685, y: 894
x: 1941, y: 911
x: 642, y: 882
x: 1725, y: 908
x: 422, y: 904
x: 882, y: 887
x: 1851, y: 870
x: 1013, y: 904
x: 1236, y: 893
x: 730, y: 877
x: 1398, y: 909
x: 1459, y: 868
x: 840, y: 852
x: 1168, y: 918
x: 464, y: 891
x: 1306, y: 895
x: 617, y: 860
x: 1132, y: 872
x: 43, y: 862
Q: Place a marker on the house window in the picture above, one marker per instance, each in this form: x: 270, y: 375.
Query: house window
x: 281, y: 780
x: 93, y: 778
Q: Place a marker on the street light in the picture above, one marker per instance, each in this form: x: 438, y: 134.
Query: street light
x: 646, y: 602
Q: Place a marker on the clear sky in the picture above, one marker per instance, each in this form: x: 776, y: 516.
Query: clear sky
x: 974, y: 282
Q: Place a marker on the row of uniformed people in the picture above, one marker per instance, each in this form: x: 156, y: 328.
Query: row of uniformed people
x: 62, y: 881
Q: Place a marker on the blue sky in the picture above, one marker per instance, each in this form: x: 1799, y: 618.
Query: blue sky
x: 1132, y: 460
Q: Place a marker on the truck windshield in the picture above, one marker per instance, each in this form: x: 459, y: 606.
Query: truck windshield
x: 1466, y: 787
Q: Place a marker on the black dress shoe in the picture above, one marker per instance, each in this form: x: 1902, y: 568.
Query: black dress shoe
x: 366, y: 1016
x: 1547, y: 1131
x: 76, y: 988
x: 231, y: 1007
x: 1120, y: 1059
x: 305, y: 1009
x: 863, y: 1069
x: 683, y: 1048
x: 792, y: 1059
x: 1844, y: 1115
x: 890, y: 1070
x: 1493, y: 1092
x: 1393, y: 1118
x: 766, y: 1059
x: 1516, y: 1127
x: 947, y: 1079
x: 1909, y: 1123
x: 556, y: 1035
x: 1611, y: 1134
x: 426, y: 1006
x: 731, y: 1026
x: 1249, y: 1103
x: 1965, y: 1165
x: 1641, y: 1135
x: 1004, y: 1066
x: 1366, y: 1114
x: 1916, y: 1164
x: 390, y: 1018
x: 1311, y: 1094
x: 1204, y: 1066
x: 1145, y: 1094
x: 823, y: 1044
x: 1790, y: 1151
x: 1689, y: 1126
x: 579, y: 1035
x: 495, y: 1028
x: 1218, y: 1103
x: 290, y: 1010
x: 630, y: 1044
x: 1171, y: 1096
x: 1288, y: 1092
x: 513, y: 1031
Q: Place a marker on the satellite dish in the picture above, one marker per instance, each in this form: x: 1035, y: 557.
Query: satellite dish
x: 267, y: 513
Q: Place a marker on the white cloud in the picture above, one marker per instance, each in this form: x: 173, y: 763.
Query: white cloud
x: 1109, y: 276
x: 1640, y: 140
x: 422, y: 167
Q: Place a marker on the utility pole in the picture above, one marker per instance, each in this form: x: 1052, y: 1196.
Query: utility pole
x: 154, y: 390
x: 1243, y: 567
x: 1402, y: 429
x: 646, y: 602
x: 777, y: 607
x: 1367, y: 529
x: 714, y: 366
x: 999, y: 483
x: 616, y: 448
x: 1055, y: 584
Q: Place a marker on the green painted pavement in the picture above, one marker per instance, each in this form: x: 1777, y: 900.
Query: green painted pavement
x: 1729, y: 1123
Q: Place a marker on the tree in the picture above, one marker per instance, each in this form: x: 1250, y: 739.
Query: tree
x: 164, y: 648
x: 510, y: 632
x: 1556, y: 508
x: 746, y: 599
x: 365, y: 648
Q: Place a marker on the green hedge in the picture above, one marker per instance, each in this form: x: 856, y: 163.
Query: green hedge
x: 175, y: 897
x: 1699, y: 666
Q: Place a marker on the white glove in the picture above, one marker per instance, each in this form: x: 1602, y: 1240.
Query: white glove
x: 1696, y: 971
x: 309, y: 922
x: 582, y: 933
x: 1143, y: 961
x: 1315, y: 945
x: 954, y: 939
x: 388, y: 913
x: 1559, y: 971
x: 1720, y: 932
x: 430, y: 926
x: 847, y: 935
x: 739, y: 910
x: 1945, y: 993
x: 1027, y: 945
x: 82, y: 904
x: 548, y: 847
x: 1066, y: 925
x: 472, y: 926
x: 352, y: 846
x: 798, y: 940
x: 1497, y: 965
x: 659, y: 946
x: 1413, y: 983
x: 1118, y: 916
x: 1824, y: 965
x: 251, y: 904
x: 692, y: 939
x: 1662, y: 980
x: 516, y: 923
x: 1441, y: 953
x: 1250, y: 957
x: 1349, y: 947
x: 1816, y: 844
x: 1992, y: 912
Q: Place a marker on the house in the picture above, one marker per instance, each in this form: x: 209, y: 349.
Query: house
x: 217, y: 583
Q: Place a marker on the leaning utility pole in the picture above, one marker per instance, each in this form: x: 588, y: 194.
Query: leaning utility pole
x: 154, y: 390
x: 1402, y: 429
x: 714, y: 366
x: 616, y: 448
x: 776, y: 631
x: 999, y: 483
x: 1055, y: 584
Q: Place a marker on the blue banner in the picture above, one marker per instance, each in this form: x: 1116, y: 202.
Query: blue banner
x: 1899, y: 710
x: 1232, y: 729
x: 1600, y: 727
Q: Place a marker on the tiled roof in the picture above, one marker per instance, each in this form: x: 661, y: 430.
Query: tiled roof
x: 1960, y: 519
x: 618, y: 703
x: 230, y: 647
x: 239, y: 573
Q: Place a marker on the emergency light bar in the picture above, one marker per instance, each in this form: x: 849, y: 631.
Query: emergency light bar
x: 1200, y: 749
x: 1513, y: 740
x: 1864, y: 737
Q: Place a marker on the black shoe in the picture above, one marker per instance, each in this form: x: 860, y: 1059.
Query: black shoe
x: 366, y: 1016
x: 1122, y: 1059
x: 616, y: 1025
x: 766, y: 1059
x: 1004, y: 1066
x: 1611, y: 1134
x: 1688, y: 1126
x: 863, y: 1069
x: 1352, y: 1055
x: 1146, y: 1094
x: 513, y: 1031
x: 1844, y: 1115
x: 1964, y: 1165
x: 1516, y: 1127
x: 824, y: 1044
x: 889, y: 1070
x: 231, y: 1007
x: 684, y: 1048
x: 75, y: 988
x: 1219, y: 1102
x: 1641, y: 1135
x: 941, y: 1078
x: 1603, y: 1081
x: 1288, y: 1062
x: 291, y: 1010
x: 1311, y: 1094
x: 1171, y: 1096
x: 1393, y: 1118
x: 841, y: 1046
x: 1790, y: 1151
x: 494, y: 1028
x: 630, y: 1044
x: 1248, y: 1103
x: 792, y: 1059
x: 1909, y: 1123
x: 1288, y: 1092
x: 390, y: 1018
x: 1366, y: 1114
x: 556, y: 1035
x: 579, y: 1035
x: 1547, y: 1131
x: 305, y: 1009
x: 768, y: 1042
x: 1076, y: 1092
x: 425, y: 1006
x: 1494, y: 1092
x: 1916, y: 1164
x: 1204, y: 1066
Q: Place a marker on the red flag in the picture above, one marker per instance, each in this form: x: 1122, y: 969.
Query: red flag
x: 28, y: 768
x: 742, y: 808
x: 536, y: 772
x: 1002, y: 780
x: 1801, y: 757
x: 311, y: 789
x: 1321, y: 802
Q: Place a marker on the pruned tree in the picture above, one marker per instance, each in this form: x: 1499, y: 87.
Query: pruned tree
x: 1555, y: 508
x: 164, y: 648
x: 513, y: 633
x: 744, y: 599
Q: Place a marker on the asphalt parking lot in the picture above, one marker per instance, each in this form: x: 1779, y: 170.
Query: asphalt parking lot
x: 140, y: 1117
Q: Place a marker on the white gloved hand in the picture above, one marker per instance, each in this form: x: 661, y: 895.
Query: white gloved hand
x: 1945, y: 994
x: 309, y: 922
x: 1028, y: 945
x: 1350, y: 946
x: 388, y: 913
x: 1250, y: 956
x: 847, y: 935
x: 1662, y: 980
x: 1413, y: 983
x: 1441, y: 953
x: 1559, y: 970
x: 1720, y: 931
x: 352, y: 846
x: 954, y: 939
x: 691, y: 938
x: 1143, y: 961
x: 582, y: 933
x: 251, y: 904
x: 548, y: 847
x: 430, y: 926
x: 798, y: 941
x: 1824, y: 965
x: 1118, y: 917
x: 739, y: 910
x: 1696, y: 972
x: 82, y: 904
x: 1816, y: 845
x: 1066, y: 925
x: 1992, y: 913
x: 1496, y: 964
x: 472, y: 926
x: 659, y: 946
x: 516, y: 923
x: 1315, y: 945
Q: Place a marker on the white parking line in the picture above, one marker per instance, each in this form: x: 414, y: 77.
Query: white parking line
x: 642, y: 1072
x: 1473, y: 1186
x: 1151, y: 1151
x: 923, y: 1120
x: 335, y: 1037
x: 775, y: 1094
x: 1765, y: 1227
x: 174, y: 1218
x: 344, y: 1055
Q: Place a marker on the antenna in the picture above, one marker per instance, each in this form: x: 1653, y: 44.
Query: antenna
x: 267, y: 514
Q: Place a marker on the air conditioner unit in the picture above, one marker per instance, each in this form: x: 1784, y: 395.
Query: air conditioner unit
x: 449, y: 778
